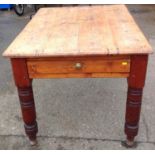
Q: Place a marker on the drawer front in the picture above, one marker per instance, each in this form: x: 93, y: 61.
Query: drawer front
x: 47, y: 66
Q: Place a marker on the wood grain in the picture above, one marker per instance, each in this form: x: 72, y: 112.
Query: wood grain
x: 87, y: 66
x: 107, y: 66
x: 80, y: 31
x: 79, y: 75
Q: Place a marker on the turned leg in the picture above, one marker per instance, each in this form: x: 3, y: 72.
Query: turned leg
x: 28, y: 112
x: 136, y: 83
x: 133, y: 108
x: 25, y: 92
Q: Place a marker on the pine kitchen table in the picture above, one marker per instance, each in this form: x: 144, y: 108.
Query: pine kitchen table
x: 80, y: 42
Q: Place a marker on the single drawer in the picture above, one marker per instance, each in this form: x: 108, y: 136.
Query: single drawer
x: 79, y: 65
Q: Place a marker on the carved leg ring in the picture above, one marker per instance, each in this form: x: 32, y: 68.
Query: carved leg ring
x: 28, y: 112
x: 133, y: 108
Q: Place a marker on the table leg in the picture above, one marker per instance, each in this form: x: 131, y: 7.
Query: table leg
x: 25, y: 92
x: 136, y: 83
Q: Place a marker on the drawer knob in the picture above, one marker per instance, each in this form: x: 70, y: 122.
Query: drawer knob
x: 124, y: 63
x: 78, y: 65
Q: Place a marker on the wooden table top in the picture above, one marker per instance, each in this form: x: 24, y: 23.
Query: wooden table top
x: 80, y: 31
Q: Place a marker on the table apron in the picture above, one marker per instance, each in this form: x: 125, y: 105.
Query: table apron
x: 79, y: 67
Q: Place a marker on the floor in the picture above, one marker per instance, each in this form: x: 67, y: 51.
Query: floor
x: 75, y: 113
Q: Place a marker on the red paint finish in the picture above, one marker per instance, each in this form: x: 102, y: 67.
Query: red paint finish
x: 25, y: 92
x: 136, y: 82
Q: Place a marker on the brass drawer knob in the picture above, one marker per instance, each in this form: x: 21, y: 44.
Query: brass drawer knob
x: 124, y: 63
x: 78, y: 65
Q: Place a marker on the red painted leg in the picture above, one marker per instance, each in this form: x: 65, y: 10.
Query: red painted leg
x: 133, y: 108
x: 25, y: 92
x: 28, y: 112
x: 136, y: 83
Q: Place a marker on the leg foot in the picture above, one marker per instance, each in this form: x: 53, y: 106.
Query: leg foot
x: 33, y: 142
x: 129, y: 144
x: 31, y: 131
